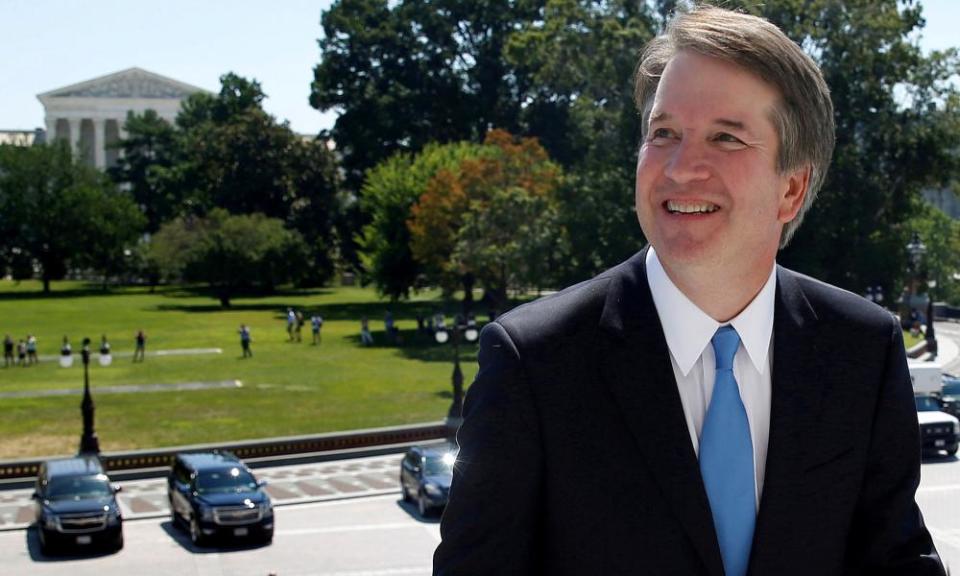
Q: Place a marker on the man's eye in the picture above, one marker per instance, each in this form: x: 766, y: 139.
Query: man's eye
x: 727, y: 138
x: 661, y: 133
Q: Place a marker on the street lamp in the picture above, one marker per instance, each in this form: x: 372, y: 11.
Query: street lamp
x: 466, y: 329
x: 89, y: 444
x: 916, y: 249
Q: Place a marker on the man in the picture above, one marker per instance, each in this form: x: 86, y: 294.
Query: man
x: 696, y: 410
x: 141, y: 346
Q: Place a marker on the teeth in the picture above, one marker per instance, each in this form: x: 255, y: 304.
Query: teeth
x: 691, y: 208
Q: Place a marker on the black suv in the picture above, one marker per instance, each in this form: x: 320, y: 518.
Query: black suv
x: 76, y: 506
x: 216, y: 495
x: 425, y: 475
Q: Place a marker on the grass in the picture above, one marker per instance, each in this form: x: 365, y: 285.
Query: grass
x: 288, y: 388
x: 910, y: 340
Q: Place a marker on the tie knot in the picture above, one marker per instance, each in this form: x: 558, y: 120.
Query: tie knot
x: 725, y: 343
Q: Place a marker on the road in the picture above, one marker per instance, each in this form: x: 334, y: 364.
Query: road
x: 371, y: 536
x: 366, y: 536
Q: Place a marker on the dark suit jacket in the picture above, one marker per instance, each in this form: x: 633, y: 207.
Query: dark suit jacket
x: 575, y: 457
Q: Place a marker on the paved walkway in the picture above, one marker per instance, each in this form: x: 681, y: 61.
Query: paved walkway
x: 178, y: 387
x: 286, y: 485
x: 148, y: 353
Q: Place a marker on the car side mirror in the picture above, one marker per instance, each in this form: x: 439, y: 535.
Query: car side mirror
x: 117, y: 488
x: 35, y: 495
x: 261, y: 483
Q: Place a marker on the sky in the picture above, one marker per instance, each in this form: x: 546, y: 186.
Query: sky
x: 50, y: 44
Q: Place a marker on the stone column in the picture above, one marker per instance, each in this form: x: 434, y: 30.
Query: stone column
x: 121, y: 134
x: 74, y: 136
x: 51, y: 129
x: 99, y: 143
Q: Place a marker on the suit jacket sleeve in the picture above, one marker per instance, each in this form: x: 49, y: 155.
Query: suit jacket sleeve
x: 490, y: 525
x: 888, y: 535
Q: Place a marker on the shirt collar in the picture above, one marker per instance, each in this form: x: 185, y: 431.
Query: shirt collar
x: 688, y: 329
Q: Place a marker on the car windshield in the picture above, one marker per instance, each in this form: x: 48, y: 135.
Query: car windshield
x: 78, y: 487
x: 927, y: 404
x: 225, y: 481
x: 438, y: 465
x: 952, y: 389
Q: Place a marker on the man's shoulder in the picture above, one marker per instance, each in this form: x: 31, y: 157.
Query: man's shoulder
x: 834, y: 304
x: 570, y: 313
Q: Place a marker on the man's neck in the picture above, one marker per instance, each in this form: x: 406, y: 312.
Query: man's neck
x: 720, y: 293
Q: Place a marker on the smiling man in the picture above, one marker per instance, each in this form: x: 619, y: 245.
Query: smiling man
x: 695, y: 410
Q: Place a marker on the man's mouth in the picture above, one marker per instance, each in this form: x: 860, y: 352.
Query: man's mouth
x: 676, y: 207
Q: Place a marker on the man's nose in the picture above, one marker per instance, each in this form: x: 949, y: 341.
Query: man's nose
x: 687, y: 163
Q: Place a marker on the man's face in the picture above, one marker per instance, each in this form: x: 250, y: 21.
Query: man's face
x: 708, y: 190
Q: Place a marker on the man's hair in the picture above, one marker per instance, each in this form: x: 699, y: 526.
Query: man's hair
x: 803, y: 117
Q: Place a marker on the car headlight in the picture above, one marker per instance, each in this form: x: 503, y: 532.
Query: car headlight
x: 266, y: 507
x: 433, y: 490
x: 113, y: 515
x: 206, y: 513
x: 50, y: 522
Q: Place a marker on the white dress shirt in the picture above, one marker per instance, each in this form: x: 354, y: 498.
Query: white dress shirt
x: 688, y: 331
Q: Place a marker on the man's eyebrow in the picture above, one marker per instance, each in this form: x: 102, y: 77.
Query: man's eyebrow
x: 660, y: 117
x: 733, y: 124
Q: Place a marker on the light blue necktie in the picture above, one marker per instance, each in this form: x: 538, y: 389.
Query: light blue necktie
x: 726, y: 460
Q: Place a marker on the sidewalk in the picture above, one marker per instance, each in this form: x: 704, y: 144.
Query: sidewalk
x: 286, y: 485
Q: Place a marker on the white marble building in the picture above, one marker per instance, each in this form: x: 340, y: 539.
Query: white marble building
x: 90, y: 115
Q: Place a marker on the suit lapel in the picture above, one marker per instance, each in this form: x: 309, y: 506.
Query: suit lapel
x: 794, y: 408
x: 636, y: 368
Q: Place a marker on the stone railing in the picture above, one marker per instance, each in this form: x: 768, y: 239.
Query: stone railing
x: 264, y: 452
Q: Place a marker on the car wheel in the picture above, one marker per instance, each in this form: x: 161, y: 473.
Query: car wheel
x: 953, y: 451
x: 44, y: 544
x: 118, y: 543
x: 422, y: 506
x: 268, y: 538
x: 196, y: 536
x: 405, y: 492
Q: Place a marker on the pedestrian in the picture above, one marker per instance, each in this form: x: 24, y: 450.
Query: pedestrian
x: 7, y: 351
x: 245, y: 340
x: 291, y: 322
x: 388, y: 325
x: 21, y: 353
x: 299, y: 326
x: 365, y: 338
x: 32, y: 349
x: 66, y: 353
x: 704, y: 396
x: 141, y: 342
x: 316, y: 323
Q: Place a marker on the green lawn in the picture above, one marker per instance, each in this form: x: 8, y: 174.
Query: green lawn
x: 288, y: 388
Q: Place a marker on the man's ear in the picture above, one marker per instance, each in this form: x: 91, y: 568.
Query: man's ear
x: 797, y: 185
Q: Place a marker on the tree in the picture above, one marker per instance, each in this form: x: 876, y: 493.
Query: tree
x: 109, y: 224
x: 149, y: 153
x: 230, y: 253
x: 414, y: 72
x: 390, y: 190
x: 404, y: 74
x: 61, y: 214
x: 941, y: 263
x: 227, y: 152
x: 492, y: 219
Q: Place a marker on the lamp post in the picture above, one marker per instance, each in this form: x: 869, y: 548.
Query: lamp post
x: 89, y: 444
x: 466, y: 329
x: 916, y: 249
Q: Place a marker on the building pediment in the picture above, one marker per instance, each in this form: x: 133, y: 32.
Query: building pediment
x: 130, y: 83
